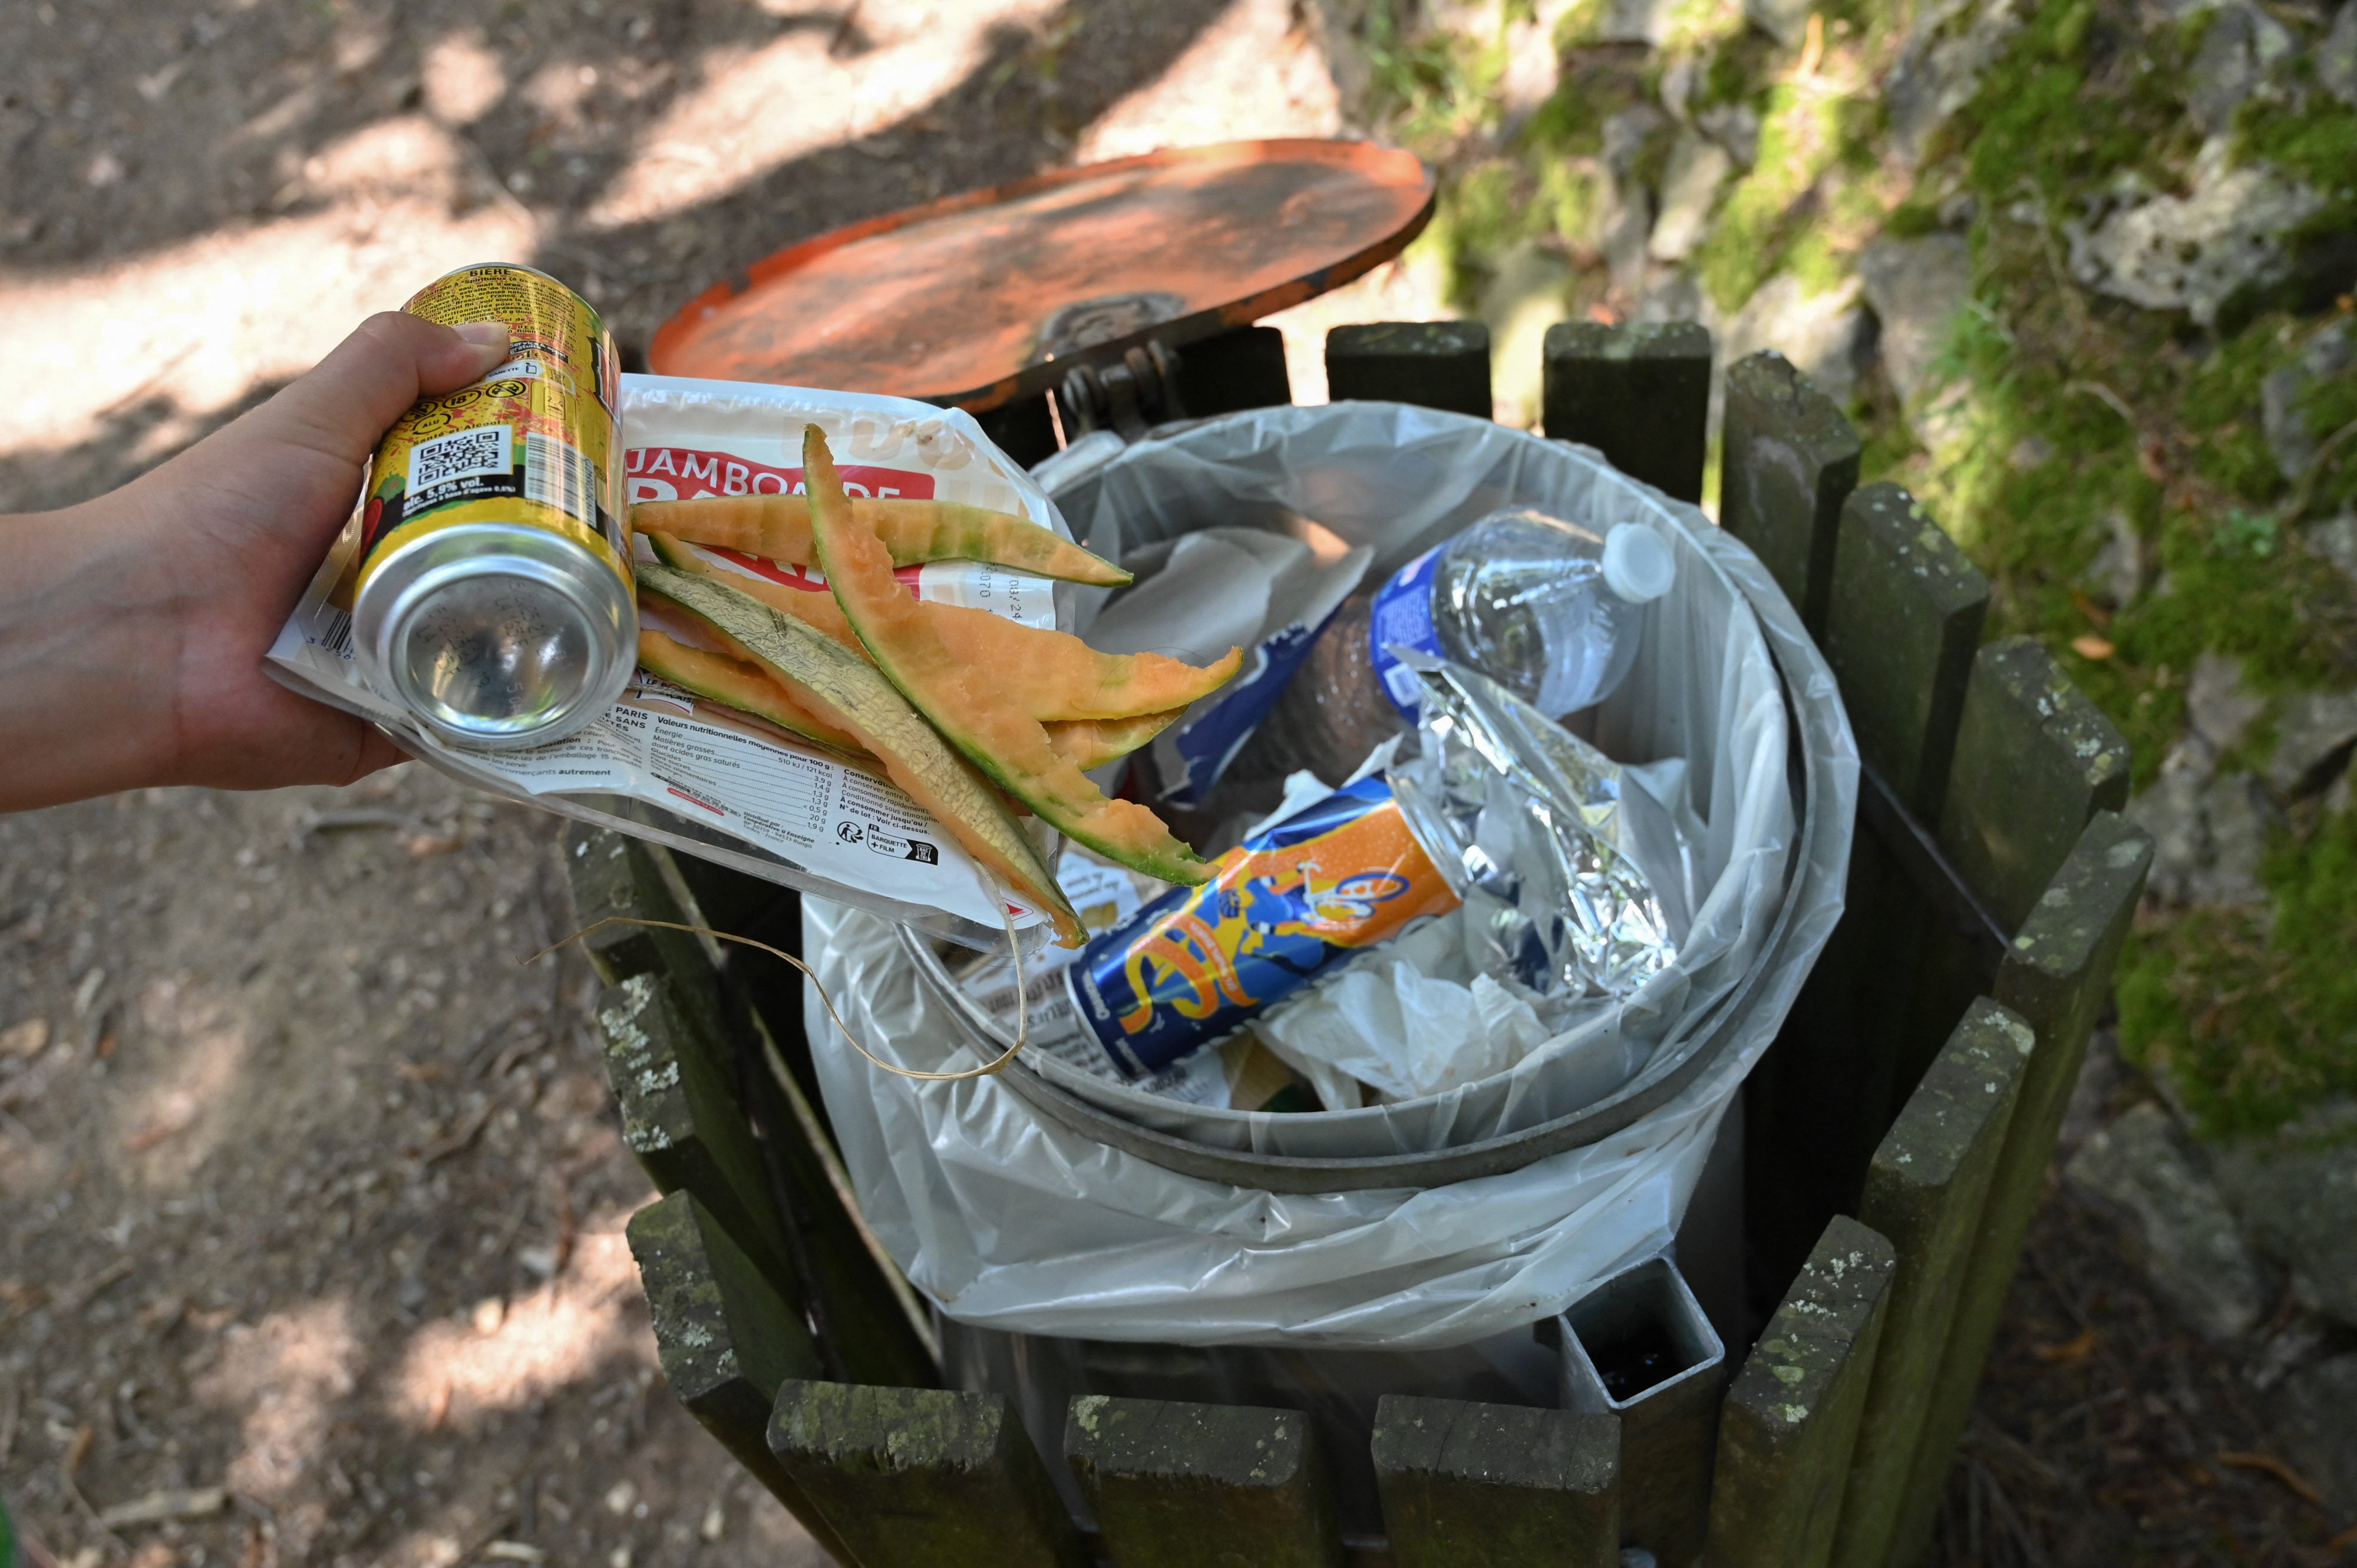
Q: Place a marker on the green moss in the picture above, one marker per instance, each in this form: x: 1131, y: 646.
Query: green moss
x: 1801, y: 137
x: 2252, y: 1014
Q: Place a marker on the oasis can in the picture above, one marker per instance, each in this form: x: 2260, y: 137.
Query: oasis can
x: 494, y: 601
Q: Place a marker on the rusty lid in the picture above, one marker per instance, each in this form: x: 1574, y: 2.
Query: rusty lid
x: 969, y: 300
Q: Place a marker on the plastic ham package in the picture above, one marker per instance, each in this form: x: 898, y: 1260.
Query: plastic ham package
x: 664, y: 765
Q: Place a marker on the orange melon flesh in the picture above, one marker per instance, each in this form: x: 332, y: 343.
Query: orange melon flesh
x: 913, y: 530
x: 1055, y: 675
x: 1088, y: 744
x: 963, y: 701
x: 1051, y: 676
x: 816, y: 610
x: 842, y: 688
x: 739, y: 684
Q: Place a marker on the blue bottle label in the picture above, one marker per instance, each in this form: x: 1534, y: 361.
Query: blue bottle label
x: 1401, y: 617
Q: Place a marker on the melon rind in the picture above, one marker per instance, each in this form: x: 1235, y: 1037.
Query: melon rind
x: 843, y: 689
x: 914, y: 531
x: 963, y: 700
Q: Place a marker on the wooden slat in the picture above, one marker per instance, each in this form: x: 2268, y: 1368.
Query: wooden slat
x: 1789, y: 1427
x: 1244, y: 368
x: 1022, y: 429
x: 2035, y: 759
x: 1901, y: 623
x: 673, y: 1084
x: 1925, y: 1191
x: 727, y: 1341
x: 1489, y: 1486
x: 924, y: 1476
x: 1788, y: 460
x: 2057, y: 976
x: 1174, y: 1484
x: 1436, y: 364
x: 863, y: 1330
x: 1639, y: 392
x: 609, y: 875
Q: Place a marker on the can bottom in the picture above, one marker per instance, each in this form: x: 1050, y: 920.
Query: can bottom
x: 498, y: 637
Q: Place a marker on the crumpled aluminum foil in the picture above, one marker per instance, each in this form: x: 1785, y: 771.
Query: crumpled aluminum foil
x: 1542, y: 837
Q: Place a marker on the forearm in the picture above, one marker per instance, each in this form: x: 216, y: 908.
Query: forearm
x: 89, y: 656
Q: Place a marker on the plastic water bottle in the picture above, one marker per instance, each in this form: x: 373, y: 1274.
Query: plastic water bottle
x: 1550, y: 610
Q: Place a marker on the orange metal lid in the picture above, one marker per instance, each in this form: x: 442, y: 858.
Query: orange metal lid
x: 969, y: 300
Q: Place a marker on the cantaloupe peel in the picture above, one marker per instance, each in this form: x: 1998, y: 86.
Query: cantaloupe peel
x: 963, y: 701
x: 842, y: 688
x: 1052, y: 675
x: 741, y: 684
x: 914, y: 531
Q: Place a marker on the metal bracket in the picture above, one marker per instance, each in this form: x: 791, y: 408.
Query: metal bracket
x: 1138, y: 389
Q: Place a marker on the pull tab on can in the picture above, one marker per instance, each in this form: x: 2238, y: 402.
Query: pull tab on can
x: 494, y: 600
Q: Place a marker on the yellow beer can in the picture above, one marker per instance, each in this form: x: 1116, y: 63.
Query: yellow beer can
x: 494, y: 600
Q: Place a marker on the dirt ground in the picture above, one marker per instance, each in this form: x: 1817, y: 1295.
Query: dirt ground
x: 309, y: 1190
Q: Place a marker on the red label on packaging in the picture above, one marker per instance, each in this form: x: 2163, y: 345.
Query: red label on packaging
x: 679, y: 474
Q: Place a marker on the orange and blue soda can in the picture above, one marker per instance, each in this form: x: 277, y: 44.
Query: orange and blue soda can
x: 1287, y: 905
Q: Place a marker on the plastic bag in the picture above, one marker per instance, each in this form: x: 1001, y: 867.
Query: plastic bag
x: 1013, y: 1221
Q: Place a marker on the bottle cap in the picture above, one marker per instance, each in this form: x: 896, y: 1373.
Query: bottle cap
x: 1638, y: 566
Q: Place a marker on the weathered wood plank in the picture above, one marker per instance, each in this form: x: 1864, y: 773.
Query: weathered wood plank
x: 725, y: 1340
x: 1174, y: 1484
x: 608, y: 875
x: 1902, y: 621
x: 1925, y: 1191
x: 1242, y: 368
x: 2035, y: 759
x: 2056, y: 976
x: 1788, y: 460
x: 1789, y: 1427
x: 1023, y: 429
x: 863, y: 1327
x: 1436, y: 364
x: 924, y: 1476
x: 675, y: 1086
x: 1639, y: 392
x: 1492, y: 1485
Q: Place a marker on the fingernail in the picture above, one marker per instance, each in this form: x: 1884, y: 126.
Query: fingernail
x: 484, y: 334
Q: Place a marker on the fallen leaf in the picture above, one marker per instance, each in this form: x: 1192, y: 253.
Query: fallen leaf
x: 2268, y: 1464
x: 2067, y: 1352
x: 171, y: 1503
x: 29, y: 1038
x: 2090, y: 646
x: 179, y: 1114
x: 421, y: 844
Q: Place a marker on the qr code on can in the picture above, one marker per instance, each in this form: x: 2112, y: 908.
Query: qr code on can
x: 462, y: 455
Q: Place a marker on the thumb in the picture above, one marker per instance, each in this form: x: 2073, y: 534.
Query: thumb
x: 347, y: 401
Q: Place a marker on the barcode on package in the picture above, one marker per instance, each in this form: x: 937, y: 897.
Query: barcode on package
x: 462, y: 455
x: 335, y: 632
x: 558, y: 475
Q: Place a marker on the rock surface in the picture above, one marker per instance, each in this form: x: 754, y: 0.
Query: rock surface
x: 1916, y: 287
x: 2193, y: 253
x: 2314, y: 731
x: 2335, y: 57
x: 1690, y: 185
x: 1819, y: 333
x: 2299, y: 1208
x: 2316, y: 1410
x: 2142, y: 1166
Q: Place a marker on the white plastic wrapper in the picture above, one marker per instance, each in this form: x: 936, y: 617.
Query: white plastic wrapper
x: 659, y: 765
x: 1012, y: 1221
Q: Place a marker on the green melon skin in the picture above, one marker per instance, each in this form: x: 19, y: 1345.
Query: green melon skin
x: 843, y: 689
x: 1004, y: 742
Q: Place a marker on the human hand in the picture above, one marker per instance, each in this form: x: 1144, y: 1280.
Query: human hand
x: 133, y: 627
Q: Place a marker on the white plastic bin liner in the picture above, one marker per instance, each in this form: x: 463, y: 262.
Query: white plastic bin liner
x: 1013, y: 1222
